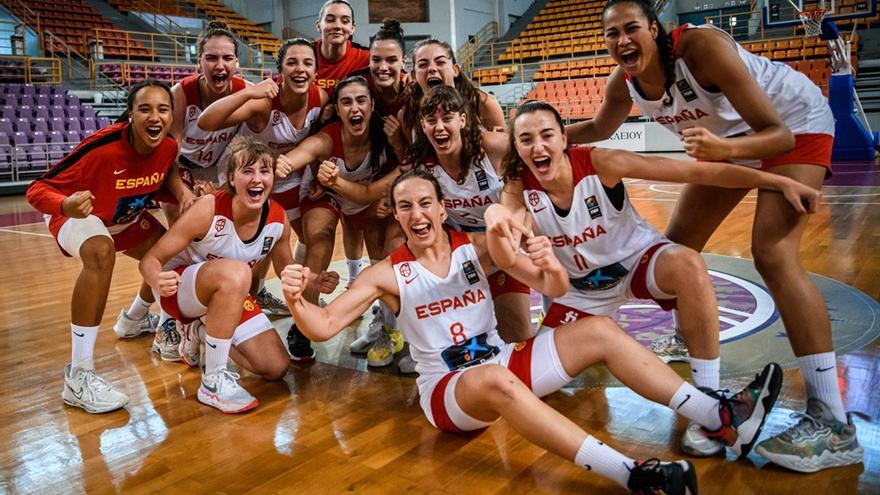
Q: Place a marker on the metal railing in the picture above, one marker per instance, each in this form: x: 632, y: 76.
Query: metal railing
x: 21, y: 162
x: 465, y: 54
x: 33, y: 70
x: 132, y: 72
x: 177, y: 9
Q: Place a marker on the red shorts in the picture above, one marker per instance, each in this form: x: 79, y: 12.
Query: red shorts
x: 358, y: 220
x: 133, y: 235
x: 809, y: 149
x: 502, y: 283
x: 289, y: 200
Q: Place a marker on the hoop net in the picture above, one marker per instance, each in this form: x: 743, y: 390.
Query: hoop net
x: 812, y: 21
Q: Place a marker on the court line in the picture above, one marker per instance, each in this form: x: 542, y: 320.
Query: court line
x: 747, y: 200
x: 656, y: 188
x: 24, y: 233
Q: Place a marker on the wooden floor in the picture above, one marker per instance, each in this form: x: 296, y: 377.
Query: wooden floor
x: 330, y: 429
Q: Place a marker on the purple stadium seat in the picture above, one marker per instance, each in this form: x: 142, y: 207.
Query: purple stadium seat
x: 13, y: 89
x: 27, y: 100
x: 22, y: 125
x: 86, y: 133
x: 6, y: 126
x: 71, y: 137
x: 71, y: 100
x: 39, y: 160
x: 72, y: 111
x: 56, y: 146
x: 41, y: 112
x: 57, y: 124
x: 44, y: 89
x: 88, y: 124
x: 21, y: 144
x: 11, y: 100
x: 56, y: 89
x: 87, y: 112
x: 42, y: 100
x: 5, y: 154
x: 28, y: 89
x: 58, y: 99
x: 56, y: 111
x: 25, y: 112
x: 55, y: 137
x: 7, y: 112
x: 40, y: 125
x: 72, y: 124
x: 102, y: 122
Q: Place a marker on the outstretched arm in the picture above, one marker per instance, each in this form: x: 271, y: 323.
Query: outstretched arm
x: 328, y: 176
x: 320, y: 324
x: 324, y: 282
x: 538, y: 268
x: 611, y: 114
x: 312, y: 149
x: 238, y: 107
x: 613, y: 165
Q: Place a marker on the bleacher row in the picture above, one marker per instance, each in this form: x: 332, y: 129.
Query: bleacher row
x: 163, y: 7
x: 38, y: 125
x: 132, y: 74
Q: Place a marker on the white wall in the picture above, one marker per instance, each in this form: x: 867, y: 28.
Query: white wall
x: 260, y: 12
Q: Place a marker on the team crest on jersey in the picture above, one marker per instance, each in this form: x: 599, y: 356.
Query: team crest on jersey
x: 482, y: 179
x: 276, y: 117
x: 220, y: 224
x: 686, y: 90
x: 145, y: 224
x: 267, y: 245
x: 405, y: 270
x: 470, y: 271
x: 519, y: 346
x: 593, y: 207
x: 533, y: 198
x: 248, y: 305
x: 192, y: 113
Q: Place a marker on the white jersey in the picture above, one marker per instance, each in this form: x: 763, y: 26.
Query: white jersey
x: 799, y: 102
x: 466, y: 203
x: 593, y: 237
x: 363, y: 173
x: 282, y: 136
x: 222, y: 240
x: 449, y: 322
x: 200, y: 148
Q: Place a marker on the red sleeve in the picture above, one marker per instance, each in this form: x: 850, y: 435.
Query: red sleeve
x: 45, y: 198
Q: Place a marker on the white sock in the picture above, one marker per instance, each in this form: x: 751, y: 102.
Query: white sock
x: 706, y: 372
x: 595, y: 456
x: 820, y: 376
x: 216, y: 353
x: 354, y: 269
x: 696, y: 406
x: 675, y: 323
x: 83, y: 340
x: 299, y: 253
x: 138, y: 309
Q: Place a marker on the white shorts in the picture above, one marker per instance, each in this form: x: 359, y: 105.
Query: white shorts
x: 185, y: 306
x: 639, y: 282
x: 534, y: 361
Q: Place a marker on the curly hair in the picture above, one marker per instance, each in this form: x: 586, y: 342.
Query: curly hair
x: 462, y: 83
x: 446, y: 99
x: 664, y: 42
x: 512, y: 166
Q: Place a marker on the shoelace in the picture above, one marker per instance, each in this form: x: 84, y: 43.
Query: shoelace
x: 230, y: 376
x: 96, y: 382
x: 171, y: 334
x: 651, y: 469
x: 799, y: 430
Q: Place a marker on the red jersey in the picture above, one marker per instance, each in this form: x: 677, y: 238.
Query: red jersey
x: 121, y: 180
x: 330, y: 73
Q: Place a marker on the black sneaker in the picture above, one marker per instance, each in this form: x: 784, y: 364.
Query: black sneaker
x: 671, y: 478
x: 300, y: 346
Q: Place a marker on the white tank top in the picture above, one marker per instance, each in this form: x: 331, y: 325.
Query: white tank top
x: 200, y: 148
x: 466, y: 203
x: 594, y: 237
x: 282, y: 136
x: 222, y: 240
x: 449, y: 322
x: 799, y: 102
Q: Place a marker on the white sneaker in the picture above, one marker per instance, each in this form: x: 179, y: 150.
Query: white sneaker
x: 697, y: 444
x: 127, y: 328
x: 363, y: 343
x: 167, y: 341
x: 271, y: 305
x: 220, y: 389
x: 406, y: 364
x: 84, y: 388
x: 670, y: 348
x: 191, y: 337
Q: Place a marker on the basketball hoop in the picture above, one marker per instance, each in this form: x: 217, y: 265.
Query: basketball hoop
x: 812, y: 21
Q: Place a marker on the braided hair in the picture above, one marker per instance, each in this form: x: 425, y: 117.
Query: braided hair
x: 664, y: 42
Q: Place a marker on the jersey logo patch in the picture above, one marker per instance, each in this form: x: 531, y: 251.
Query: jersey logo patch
x: 593, y: 207
x: 267, y: 245
x: 129, y: 208
x: 686, y: 90
x: 219, y: 225
x: 533, y: 199
x: 482, y: 180
x: 474, y: 351
x: 470, y: 271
